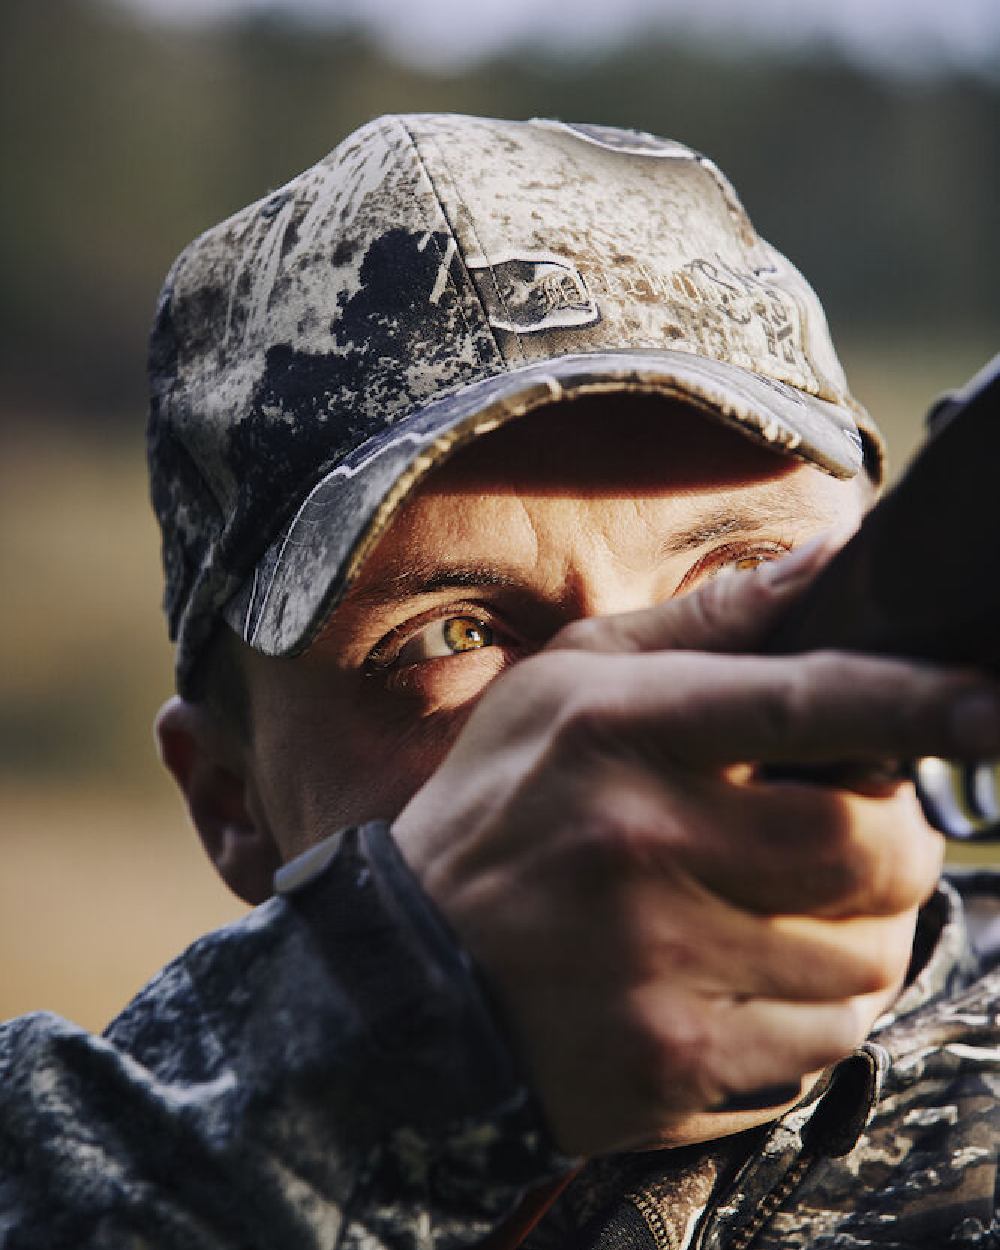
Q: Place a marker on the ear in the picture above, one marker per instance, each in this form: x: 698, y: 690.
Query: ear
x: 208, y: 760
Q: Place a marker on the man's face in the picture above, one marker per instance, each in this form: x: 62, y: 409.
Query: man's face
x: 593, y: 507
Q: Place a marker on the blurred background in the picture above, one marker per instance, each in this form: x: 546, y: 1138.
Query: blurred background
x: 863, y: 136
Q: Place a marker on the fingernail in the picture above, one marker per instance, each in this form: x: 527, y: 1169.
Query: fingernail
x: 798, y: 564
x: 975, y: 721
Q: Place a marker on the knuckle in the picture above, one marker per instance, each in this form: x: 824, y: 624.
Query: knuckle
x: 899, y: 882
x: 854, y: 1026
x: 551, y: 684
x: 781, y: 707
x: 618, y: 832
x: 749, y: 593
x: 880, y: 965
x: 593, y: 713
x: 881, y: 857
x: 843, y: 860
x: 844, y: 1031
x: 584, y: 634
x: 836, y: 884
x: 677, y: 1058
x: 831, y: 670
x: 579, y: 729
x: 710, y: 614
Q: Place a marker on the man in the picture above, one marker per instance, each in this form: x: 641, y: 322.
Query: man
x: 479, y: 450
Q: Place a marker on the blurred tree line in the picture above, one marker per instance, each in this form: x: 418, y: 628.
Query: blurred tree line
x: 119, y: 142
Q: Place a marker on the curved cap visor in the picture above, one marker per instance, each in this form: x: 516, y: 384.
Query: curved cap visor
x: 306, y: 571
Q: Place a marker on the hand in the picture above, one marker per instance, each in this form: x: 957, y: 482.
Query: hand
x: 661, y: 927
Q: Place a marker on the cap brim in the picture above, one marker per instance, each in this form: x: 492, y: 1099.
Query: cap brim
x: 305, y: 572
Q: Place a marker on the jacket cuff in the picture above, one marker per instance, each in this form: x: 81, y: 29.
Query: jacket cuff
x: 439, y: 1072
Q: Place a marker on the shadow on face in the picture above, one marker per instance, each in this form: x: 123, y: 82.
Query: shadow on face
x: 600, y: 505
x: 611, y: 445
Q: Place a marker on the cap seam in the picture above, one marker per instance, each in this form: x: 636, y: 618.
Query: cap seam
x: 176, y: 626
x: 437, y: 316
x: 431, y: 139
x: 449, y: 441
x: 730, y: 196
x: 458, y: 250
x: 260, y: 595
x: 493, y: 415
x: 842, y: 394
x: 742, y: 223
x: 165, y: 398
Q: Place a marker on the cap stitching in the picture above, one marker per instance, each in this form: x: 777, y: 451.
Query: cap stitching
x: 744, y: 227
x: 458, y: 250
x: 493, y: 416
x: 486, y: 419
x: 734, y: 205
x: 261, y: 595
x: 498, y: 412
x: 737, y: 210
x: 470, y: 329
x: 482, y: 250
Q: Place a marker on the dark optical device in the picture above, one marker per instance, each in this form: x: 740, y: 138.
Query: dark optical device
x: 921, y: 579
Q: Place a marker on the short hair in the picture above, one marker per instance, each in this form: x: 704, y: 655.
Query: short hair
x: 221, y: 684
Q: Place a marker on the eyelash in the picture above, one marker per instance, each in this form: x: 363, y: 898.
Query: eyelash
x: 721, y: 557
x: 382, y: 658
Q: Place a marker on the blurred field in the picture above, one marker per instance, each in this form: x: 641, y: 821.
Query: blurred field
x: 98, y: 892
x: 103, y: 879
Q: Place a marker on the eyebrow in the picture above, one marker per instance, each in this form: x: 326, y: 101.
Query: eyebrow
x: 436, y: 576
x: 412, y: 583
x: 775, y: 509
x: 712, y: 528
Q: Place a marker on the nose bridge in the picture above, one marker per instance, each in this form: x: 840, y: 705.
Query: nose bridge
x: 610, y: 595
x: 604, y: 577
x: 598, y: 553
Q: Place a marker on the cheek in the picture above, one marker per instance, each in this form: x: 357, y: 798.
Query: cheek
x: 320, y: 768
x: 397, y: 744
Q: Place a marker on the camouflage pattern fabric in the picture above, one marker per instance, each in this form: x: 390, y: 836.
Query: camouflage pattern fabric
x: 431, y: 278
x: 327, y: 1073
x: 896, y: 1147
x: 322, y: 1073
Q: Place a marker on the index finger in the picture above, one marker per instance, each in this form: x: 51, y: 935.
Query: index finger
x: 734, y: 613
x: 701, y: 710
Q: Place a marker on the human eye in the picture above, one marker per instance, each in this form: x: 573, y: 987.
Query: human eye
x: 449, y: 636
x: 439, y: 638
x: 732, y: 558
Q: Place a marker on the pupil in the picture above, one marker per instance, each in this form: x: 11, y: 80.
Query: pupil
x: 463, y: 633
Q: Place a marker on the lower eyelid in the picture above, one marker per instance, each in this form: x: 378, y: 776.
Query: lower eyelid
x: 430, y: 673
x: 717, y: 562
x: 384, y: 656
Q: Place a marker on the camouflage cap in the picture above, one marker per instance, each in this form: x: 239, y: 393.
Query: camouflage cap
x: 434, y: 276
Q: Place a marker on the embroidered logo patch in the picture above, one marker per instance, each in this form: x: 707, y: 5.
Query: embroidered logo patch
x: 526, y: 294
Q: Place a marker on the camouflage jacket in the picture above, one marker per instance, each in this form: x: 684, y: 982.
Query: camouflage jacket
x: 327, y: 1073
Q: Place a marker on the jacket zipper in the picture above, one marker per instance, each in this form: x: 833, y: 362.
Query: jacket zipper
x: 771, y: 1203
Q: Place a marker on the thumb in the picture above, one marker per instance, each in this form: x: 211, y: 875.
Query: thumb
x: 733, y: 613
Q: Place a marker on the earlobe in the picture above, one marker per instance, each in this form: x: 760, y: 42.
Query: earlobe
x: 208, y: 763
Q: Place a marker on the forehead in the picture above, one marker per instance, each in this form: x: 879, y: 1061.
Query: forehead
x: 607, y: 443
x: 575, y: 461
